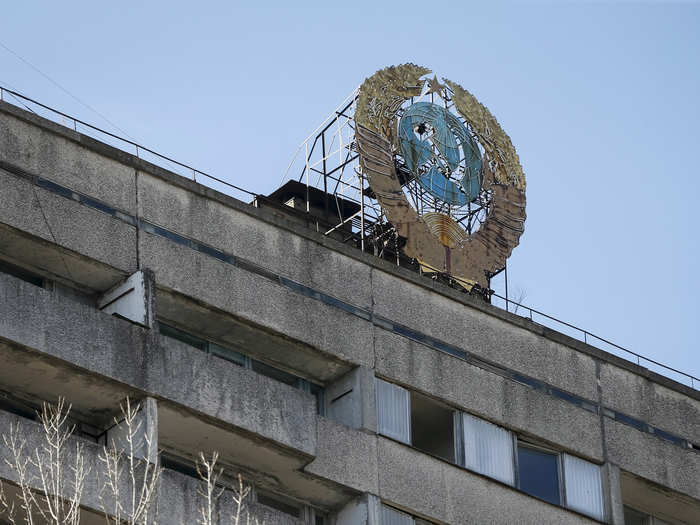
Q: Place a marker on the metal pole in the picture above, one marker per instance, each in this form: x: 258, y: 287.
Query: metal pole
x: 306, y: 156
x: 325, y: 176
x: 505, y: 271
x: 362, y: 212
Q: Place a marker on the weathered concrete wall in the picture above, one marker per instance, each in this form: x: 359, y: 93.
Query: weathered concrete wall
x: 151, y: 364
x: 436, y: 488
x: 342, y: 308
x: 488, y: 395
x: 67, y: 224
x: 346, y: 456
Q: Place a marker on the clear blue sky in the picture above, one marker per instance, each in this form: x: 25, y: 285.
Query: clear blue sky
x: 600, y: 100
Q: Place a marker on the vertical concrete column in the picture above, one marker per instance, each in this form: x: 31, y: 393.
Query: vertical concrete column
x: 363, y: 510
x: 133, y: 299
x: 143, y: 431
x: 612, y: 493
x: 351, y: 400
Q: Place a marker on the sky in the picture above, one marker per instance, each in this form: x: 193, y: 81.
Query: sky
x: 600, y: 101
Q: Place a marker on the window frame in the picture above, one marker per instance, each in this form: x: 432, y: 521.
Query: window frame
x: 517, y: 442
x: 525, y: 443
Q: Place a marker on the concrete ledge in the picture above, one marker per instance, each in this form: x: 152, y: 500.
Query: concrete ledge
x: 652, y: 458
x: 651, y: 402
x: 247, y: 296
x: 124, y: 359
x: 67, y: 224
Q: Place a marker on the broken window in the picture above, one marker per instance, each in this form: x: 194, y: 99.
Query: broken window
x: 432, y: 427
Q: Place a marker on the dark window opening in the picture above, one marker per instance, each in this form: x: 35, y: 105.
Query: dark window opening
x: 184, y: 337
x: 180, y: 465
x: 278, y: 503
x: 432, y: 427
x: 229, y: 355
x: 275, y: 373
x: 318, y: 392
x: 21, y: 273
x: 16, y: 407
x: 538, y: 473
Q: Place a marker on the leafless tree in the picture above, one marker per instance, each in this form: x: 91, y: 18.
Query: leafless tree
x: 50, y: 482
x: 212, y: 489
x: 520, y: 297
x: 51, y: 478
x: 130, y: 485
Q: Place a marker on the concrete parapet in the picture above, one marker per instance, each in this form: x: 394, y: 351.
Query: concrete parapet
x: 351, y: 399
x: 653, y: 458
x: 345, y: 456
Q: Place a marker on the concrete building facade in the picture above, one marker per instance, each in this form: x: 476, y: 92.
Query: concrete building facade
x: 346, y: 389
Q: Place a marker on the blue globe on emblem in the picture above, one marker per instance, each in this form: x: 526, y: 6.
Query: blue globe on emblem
x: 433, y: 169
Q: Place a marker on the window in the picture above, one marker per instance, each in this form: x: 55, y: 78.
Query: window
x: 491, y: 450
x: 279, y: 503
x: 416, y: 420
x: 432, y: 427
x: 393, y: 411
x: 392, y: 516
x: 183, y: 337
x: 635, y: 517
x: 21, y: 273
x: 538, y: 473
x: 229, y: 355
x: 488, y: 449
x: 179, y: 464
x: 584, y: 488
x: 275, y: 373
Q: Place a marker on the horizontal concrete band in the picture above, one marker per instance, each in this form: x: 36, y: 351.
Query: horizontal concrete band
x: 363, y: 313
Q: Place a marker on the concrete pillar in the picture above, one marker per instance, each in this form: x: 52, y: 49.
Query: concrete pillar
x: 351, y: 400
x: 133, y: 299
x: 144, y: 431
x: 363, y: 510
x: 612, y: 493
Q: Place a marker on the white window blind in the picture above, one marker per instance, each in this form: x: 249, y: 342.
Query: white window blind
x: 393, y: 411
x: 584, y: 490
x: 394, y: 517
x: 488, y: 449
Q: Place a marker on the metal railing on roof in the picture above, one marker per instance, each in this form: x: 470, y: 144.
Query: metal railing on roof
x: 602, y: 343
x: 174, y: 165
x: 141, y: 151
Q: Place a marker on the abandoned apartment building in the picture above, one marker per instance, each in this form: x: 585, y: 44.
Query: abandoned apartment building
x: 348, y: 389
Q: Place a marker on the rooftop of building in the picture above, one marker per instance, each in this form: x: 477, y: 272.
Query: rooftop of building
x: 278, y: 209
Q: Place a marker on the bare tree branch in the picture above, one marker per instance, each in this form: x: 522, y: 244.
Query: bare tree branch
x: 125, y: 469
x: 50, y: 484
